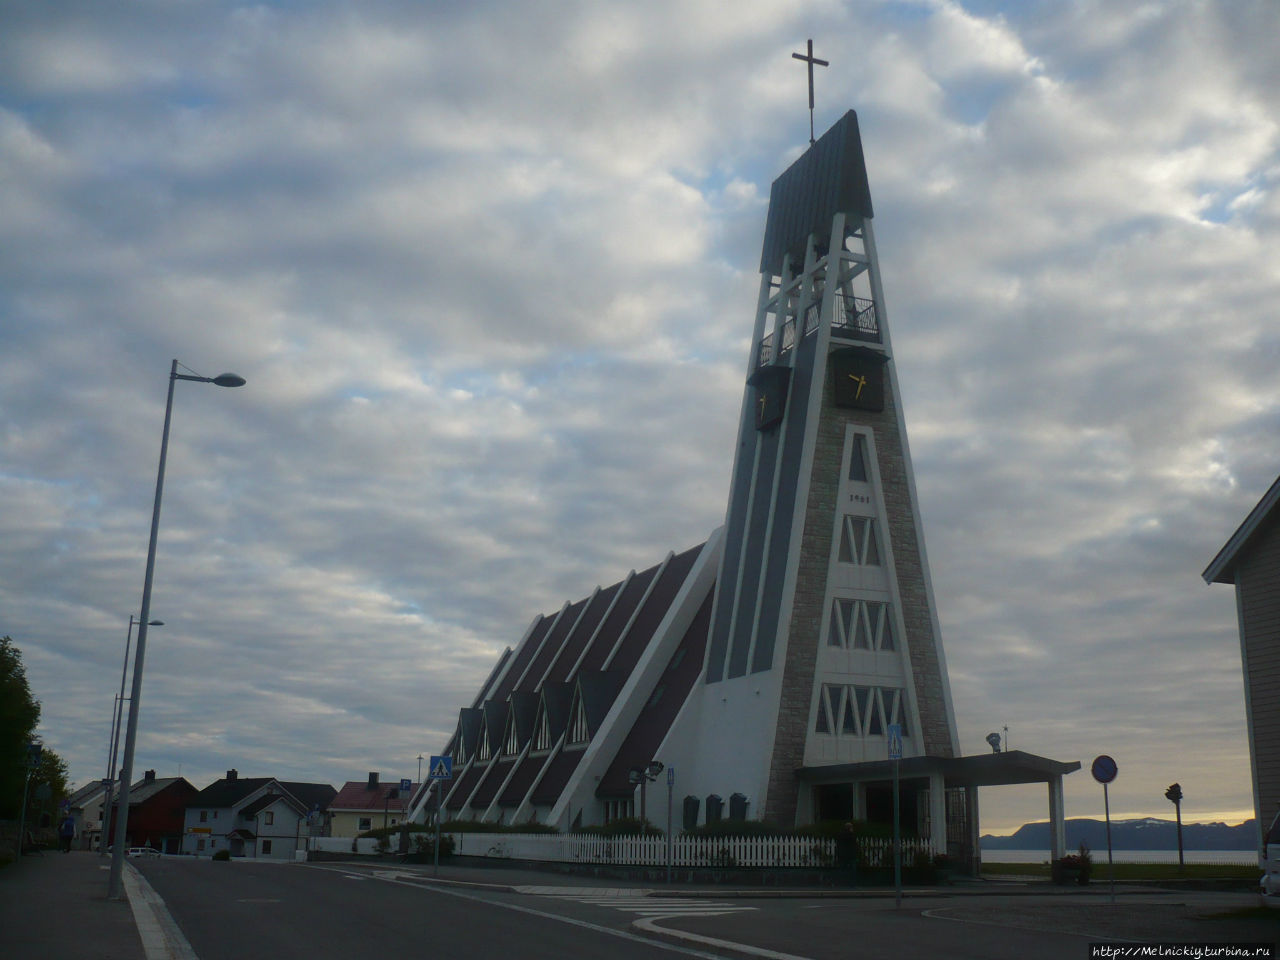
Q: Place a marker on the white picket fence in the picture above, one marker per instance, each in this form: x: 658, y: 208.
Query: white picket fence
x: 364, y: 846
x: 685, y: 851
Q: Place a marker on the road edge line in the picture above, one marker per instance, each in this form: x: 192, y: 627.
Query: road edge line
x: 649, y: 925
x: 161, y: 938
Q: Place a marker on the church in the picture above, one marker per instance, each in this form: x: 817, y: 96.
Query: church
x: 789, y: 666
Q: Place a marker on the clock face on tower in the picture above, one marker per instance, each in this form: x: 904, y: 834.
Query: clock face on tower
x: 770, y: 397
x: 857, y: 375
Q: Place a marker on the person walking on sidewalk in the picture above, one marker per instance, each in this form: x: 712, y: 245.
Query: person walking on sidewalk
x: 66, y: 833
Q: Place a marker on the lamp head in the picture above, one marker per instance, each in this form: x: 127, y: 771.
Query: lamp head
x: 229, y: 380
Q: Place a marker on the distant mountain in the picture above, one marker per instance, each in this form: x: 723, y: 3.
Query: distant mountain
x: 1146, y: 834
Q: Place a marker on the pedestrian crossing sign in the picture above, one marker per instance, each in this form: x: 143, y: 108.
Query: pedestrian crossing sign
x: 440, y: 768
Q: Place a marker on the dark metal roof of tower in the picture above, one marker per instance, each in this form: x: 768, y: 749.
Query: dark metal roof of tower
x: 828, y: 178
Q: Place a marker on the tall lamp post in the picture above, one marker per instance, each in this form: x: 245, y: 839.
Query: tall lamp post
x: 114, y: 746
x: 135, y: 696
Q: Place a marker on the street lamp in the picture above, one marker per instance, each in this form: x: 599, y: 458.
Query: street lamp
x: 644, y: 776
x: 135, y: 696
x: 114, y: 746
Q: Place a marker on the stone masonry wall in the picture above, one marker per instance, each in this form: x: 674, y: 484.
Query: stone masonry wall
x: 803, y: 638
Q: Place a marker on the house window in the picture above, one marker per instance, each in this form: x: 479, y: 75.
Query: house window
x: 204, y: 816
x: 266, y: 847
x: 366, y: 823
x: 861, y: 625
x: 199, y: 844
x: 858, y: 541
x: 512, y: 746
x: 578, y: 730
x: 269, y: 818
x: 485, y: 752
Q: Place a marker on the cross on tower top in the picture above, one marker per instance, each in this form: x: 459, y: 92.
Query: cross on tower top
x: 810, y: 60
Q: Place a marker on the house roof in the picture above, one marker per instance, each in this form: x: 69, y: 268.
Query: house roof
x: 227, y: 793
x: 355, y: 795
x: 270, y: 799
x: 88, y: 794
x: 1260, y: 518
x: 144, y: 790
x: 311, y: 796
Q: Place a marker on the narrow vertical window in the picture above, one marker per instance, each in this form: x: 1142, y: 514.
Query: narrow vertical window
x: 861, y: 633
x: 858, y: 459
x: 871, y: 552
x: 849, y: 718
x: 842, y: 612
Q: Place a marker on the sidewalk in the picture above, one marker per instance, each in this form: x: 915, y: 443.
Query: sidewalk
x: 56, y: 906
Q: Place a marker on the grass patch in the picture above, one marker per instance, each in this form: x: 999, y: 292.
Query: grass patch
x: 1133, y: 871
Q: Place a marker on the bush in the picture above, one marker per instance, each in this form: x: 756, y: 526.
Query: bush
x: 222, y: 855
x: 737, y: 828
x: 424, y: 847
x: 476, y: 826
x: 622, y: 827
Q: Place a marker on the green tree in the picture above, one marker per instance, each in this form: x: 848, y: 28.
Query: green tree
x: 42, y: 805
x: 19, y: 714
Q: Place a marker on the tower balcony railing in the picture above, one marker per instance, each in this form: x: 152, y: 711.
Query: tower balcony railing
x: 764, y: 354
x: 855, y: 320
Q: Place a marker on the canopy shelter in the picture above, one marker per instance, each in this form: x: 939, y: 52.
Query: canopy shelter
x: 939, y: 794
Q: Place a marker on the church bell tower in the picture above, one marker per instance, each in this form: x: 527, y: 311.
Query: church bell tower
x: 823, y: 606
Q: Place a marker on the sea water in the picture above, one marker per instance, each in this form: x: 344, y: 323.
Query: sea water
x: 1128, y: 856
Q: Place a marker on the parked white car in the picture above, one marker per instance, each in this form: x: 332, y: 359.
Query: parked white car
x: 143, y: 852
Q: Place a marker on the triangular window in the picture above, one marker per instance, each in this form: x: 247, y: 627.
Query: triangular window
x: 512, y: 746
x: 861, y: 633
x: 579, y: 732
x: 871, y: 553
x: 858, y: 459
x: 841, y: 621
x: 849, y: 721
x: 542, y: 729
x: 886, y: 628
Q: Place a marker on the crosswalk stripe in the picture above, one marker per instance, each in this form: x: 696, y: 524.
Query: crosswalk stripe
x: 649, y: 906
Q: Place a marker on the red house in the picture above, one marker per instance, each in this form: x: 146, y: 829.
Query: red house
x: 157, y: 808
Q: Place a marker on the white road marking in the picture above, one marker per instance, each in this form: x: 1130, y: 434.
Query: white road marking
x: 161, y: 938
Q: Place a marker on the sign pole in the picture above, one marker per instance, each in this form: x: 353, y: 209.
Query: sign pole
x: 439, y: 770
x: 1111, y: 867
x: 1104, y: 770
x: 671, y: 827
x: 895, y: 754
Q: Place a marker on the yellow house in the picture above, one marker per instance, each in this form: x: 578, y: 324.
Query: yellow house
x: 368, y: 805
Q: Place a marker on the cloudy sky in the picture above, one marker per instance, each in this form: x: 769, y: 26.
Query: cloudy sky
x: 490, y: 274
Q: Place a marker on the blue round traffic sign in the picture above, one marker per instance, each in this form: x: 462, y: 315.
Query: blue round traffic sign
x: 1104, y: 769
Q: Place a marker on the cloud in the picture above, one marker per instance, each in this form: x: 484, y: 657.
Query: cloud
x: 491, y: 278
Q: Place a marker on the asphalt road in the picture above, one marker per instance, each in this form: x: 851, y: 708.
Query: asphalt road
x: 336, y: 912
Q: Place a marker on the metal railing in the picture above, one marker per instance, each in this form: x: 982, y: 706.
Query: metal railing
x: 855, y: 320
